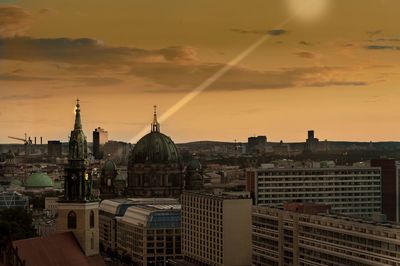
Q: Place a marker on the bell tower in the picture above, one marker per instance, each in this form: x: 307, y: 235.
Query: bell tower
x: 78, y: 210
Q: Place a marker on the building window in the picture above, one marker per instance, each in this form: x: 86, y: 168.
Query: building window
x: 71, y: 220
x: 91, y: 219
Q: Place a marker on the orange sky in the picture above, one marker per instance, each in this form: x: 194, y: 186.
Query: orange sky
x: 337, y: 73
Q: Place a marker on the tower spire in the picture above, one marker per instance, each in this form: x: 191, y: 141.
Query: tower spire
x: 155, y: 126
x: 78, y: 123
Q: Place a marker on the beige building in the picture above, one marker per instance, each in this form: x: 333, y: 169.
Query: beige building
x: 216, y: 229
x: 51, y: 204
x: 290, y: 238
x: 146, y: 229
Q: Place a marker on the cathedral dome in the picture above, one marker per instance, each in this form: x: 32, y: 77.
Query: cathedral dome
x: 155, y: 147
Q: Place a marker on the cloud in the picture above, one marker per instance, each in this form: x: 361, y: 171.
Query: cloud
x: 274, y: 32
x: 306, y: 55
x: 277, y: 32
x: 13, y: 20
x: 14, y: 77
x: 45, y: 11
x: 184, y: 77
x: 305, y: 43
x: 393, y: 39
x: 89, y: 62
x: 86, y: 51
x: 382, y: 47
x: 243, y: 31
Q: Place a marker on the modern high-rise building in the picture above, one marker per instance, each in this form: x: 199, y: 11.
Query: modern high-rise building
x: 216, y: 229
x: 100, y: 137
x: 283, y: 237
x: 349, y: 190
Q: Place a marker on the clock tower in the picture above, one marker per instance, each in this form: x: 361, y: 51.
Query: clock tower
x: 78, y: 210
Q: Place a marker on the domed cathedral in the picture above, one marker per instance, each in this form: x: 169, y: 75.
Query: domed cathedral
x: 155, y: 167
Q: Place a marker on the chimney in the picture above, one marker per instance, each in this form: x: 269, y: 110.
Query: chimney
x: 41, y: 140
x: 35, y: 140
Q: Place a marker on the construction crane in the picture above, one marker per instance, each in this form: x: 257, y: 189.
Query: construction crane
x: 27, y: 143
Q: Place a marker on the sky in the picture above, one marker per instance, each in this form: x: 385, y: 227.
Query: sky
x: 328, y: 65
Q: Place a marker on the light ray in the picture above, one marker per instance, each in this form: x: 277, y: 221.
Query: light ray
x: 209, y: 81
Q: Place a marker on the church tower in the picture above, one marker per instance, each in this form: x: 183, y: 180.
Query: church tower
x: 78, y: 210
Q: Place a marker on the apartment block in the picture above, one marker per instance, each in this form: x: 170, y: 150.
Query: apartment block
x: 281, y: 238
x: 350, y: 190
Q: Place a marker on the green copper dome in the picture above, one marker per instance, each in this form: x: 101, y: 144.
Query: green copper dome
x: 38, y: 180
x: 155, y: 147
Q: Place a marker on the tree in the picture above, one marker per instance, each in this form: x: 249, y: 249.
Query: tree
x: 15, y: 223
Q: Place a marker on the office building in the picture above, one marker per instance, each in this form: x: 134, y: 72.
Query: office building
x: 100, y: 137
x: 349, y: 190
x: 281, y: 237
x: 146, y: 229
x: 216, y: 229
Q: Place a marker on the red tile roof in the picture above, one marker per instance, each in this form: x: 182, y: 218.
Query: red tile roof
x: 55, y: 250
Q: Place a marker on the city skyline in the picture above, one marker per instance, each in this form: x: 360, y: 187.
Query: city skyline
x: 336, y: 76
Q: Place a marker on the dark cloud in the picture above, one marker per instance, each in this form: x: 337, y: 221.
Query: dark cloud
x: 185, y: 77
x: 385, y: 40
x: 305, y: 43
x: 13, y: 20
x: 382, y: 47
x: 307, y: 55
x: 277, y: 32
x: 243, y: 31
x: 14, y: 77
x: 44, y: 11
x: 174, y: 68
x: 274, y: 32
x: 85, y: 51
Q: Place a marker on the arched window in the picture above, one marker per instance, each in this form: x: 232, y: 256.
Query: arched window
x: 71, y: 220
x: 91, y: 219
